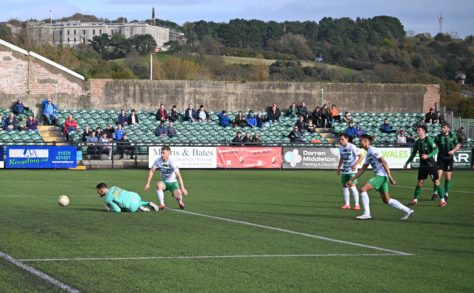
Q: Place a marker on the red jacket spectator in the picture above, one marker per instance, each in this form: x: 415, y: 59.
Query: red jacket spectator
x: 70, y: 125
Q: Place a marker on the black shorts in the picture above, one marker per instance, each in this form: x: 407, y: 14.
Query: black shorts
x: 426, y: 170
x: 445, y: 163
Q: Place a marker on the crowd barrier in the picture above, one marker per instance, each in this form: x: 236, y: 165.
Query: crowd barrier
x: 210, y: 157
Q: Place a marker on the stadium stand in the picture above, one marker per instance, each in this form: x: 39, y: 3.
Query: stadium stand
x: 19, y: 137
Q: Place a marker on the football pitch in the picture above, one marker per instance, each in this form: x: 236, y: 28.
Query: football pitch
x: 241, y: 231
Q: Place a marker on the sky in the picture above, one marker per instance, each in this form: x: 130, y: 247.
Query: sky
x: 417, y: 16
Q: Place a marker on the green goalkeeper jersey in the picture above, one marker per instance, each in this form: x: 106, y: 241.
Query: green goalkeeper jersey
x: 118, y: 200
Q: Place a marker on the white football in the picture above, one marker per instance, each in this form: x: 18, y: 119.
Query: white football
x: 63, y: 200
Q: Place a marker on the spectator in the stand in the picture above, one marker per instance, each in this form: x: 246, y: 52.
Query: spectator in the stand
x: 273, y: 115
x: 317, y: 116
x: 161, y: 114
x: 105, y: 145
x: 70, y: 125
x: 170, y: 130
x: 251, y: 119
x: 125, y: 146
x: 325, y: 116
x: 303, y: 110
x: 347, y: 117
x: 461, y: 135
x: 237, y: 139
x: 301, y: 124
x: 310, y: 126
x: 31, y: 123
x: 359, y: 131
x: 401, y: 138
x: 118, y: 134
x: 161, y: 129
x: 11, y: 123
x: 173, y: 115
x: 295, y: 135
x: 92, y: 148
x: 292, y: 110
x: 259, y: 119
x: 109, y: 130
x: 430, y: 116
x: 98, y: 132
x: 351, y: 131
x: 19, y: 108
x: 247, y: 138
x: 190, y: 114
x: 224, y: 119
x: 21, y: 124
x: 334, y: 112
x: 86, y: 133
x: 122, y: 118
x: 240, y: 120
x: 386, y: 127
x: 133, y: 118
x: 202, y: 114
x: 49, y: 111
x: 256, y: 139
x: 439, y: 118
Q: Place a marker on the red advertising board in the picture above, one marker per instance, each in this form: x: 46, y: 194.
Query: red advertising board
x: 249, y: 157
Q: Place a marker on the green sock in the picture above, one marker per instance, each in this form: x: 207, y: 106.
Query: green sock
x: 435, y: 189
x: 441, y: 191
x: 417, y: 191
x: 447, y: 185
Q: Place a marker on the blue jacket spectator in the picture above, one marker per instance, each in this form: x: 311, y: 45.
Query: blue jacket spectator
x: 170, y: 130
x: 386, y: 127
x: 19, y: 108
x: 251, y: 119
x: 49, y: 111
x: 351, y: 131
x: 359, y: 131
x: 122, y: 118
x: 224, y: 119
x: 118, y: 134
x: 161, y: 130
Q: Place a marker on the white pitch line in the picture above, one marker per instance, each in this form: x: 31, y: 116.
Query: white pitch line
x: 38, y: 273
x: 208, y: 257
x: 294, y: 232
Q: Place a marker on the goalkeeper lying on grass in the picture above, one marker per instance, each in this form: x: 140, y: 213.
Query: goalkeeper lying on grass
x: 119, y: 200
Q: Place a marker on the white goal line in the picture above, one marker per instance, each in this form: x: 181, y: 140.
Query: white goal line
x: 194, y: 257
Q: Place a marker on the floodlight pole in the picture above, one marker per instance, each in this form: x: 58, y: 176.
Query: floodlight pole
x: 151, y: 66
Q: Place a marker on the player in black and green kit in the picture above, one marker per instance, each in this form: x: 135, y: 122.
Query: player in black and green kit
x: 427, y: 149
x: 448, y: 144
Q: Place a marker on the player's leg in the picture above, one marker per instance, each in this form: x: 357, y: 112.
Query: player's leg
x: 176, y: 190
x: 440, y: 174
x: 135, y: 203
x: 433, y: 172
x: 422, y: 175
x: 160, y: 188
x: 384, y: 194
x: 355, y: 193
x: 447, y: 179
x: 365, y: 201
x: 345, y: 191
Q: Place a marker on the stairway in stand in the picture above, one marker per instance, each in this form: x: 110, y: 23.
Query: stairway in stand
x: 52, y: 134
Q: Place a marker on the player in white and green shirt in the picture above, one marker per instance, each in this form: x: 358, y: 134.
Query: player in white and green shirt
x: 349, y: 159
x: 170, y: 178
x: 379, y: 182
x: 120, y: 200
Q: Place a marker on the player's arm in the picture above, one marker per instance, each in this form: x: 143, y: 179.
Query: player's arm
x: 361, y: 157
x: 338, y: 171
x: 150, y: 176
x: 387, y: 170
x: 181, y: 182
x: 360, y: 172
x: 113, y: 207
x: 414, y: 150
x: 435, y: 148
x: 456, y: 148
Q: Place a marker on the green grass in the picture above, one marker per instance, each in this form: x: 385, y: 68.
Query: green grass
x: 34, y: 227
